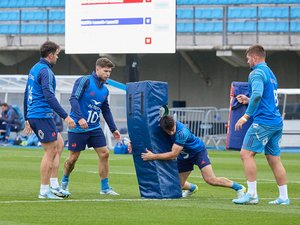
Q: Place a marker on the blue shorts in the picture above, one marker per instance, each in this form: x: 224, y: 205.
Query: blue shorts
x: 261, y: 138
x: 78, y: 141
x: 44, y: 128
x: 201, y: 159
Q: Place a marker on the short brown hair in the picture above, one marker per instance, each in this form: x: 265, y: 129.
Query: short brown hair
x: 167, y: 122
x: 256, y: 50
x: 47, y: 48
x: 4, y: 104
x: 104, y: 62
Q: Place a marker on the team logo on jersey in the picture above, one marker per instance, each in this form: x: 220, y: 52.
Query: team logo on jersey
x: 41, y: 134
x: 95, y: 102
x: 30, y: 77
x: 92, y: 93
x: 53, y: 134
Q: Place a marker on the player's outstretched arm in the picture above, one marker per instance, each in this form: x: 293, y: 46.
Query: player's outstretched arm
x: 176, y: 149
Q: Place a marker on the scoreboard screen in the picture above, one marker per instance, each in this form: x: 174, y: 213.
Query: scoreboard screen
x: 120, y: 26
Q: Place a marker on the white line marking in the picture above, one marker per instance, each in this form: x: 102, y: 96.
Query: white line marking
x: 84, y: 200
x: 263, y: 181
x: 112, y: 200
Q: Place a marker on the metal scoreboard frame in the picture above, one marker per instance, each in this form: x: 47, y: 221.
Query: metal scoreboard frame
x: 120, y: 26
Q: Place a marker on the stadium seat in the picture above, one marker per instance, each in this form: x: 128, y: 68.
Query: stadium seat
x: 273, y: 12
x: 272, y: 26
x: 184, y: 13
x: 245, y: 26
x: 54, y: 3
x: 295, y: 12
x: 295, y: 26
x: 4, y: 3
x: 56, y: 28
x: 57, y: 15
x: 210, y: 27
x: 201, y: 2
x: 31, y: 3
x: 9, y: 15
x: 12, y: 4
x: 241, y: 12
x: 209, y: 13
x: 187, y: 2
x: 34, y: 29
x: 34, y: 15
x: 184, y: 27
x: 9, y: 28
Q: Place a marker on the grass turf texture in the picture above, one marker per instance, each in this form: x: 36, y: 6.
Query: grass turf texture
x: 210, y: 205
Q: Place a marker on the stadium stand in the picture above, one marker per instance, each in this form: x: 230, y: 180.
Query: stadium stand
x: 31, y: 3
x: 230, y: 2
x: 194, y: 18
x: 237, y: 22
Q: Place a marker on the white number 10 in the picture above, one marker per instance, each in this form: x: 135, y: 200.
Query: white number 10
x: 93, y: 116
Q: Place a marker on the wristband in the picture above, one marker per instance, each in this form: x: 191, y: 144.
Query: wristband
x: 243, y: 118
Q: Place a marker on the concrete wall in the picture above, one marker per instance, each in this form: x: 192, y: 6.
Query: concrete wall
x: 209, y: 88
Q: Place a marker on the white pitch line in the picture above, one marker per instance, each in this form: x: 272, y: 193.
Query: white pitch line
x: 84, y: 200
x: 193, y: 176
x: 110, y: 200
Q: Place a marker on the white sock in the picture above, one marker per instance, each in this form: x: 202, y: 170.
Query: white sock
x: 44, y: 189
x: 252, y: 188
x: 54, y: 182
x: 283, y: 192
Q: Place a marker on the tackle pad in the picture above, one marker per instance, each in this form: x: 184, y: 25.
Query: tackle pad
x: 146, y: 102
x: 237, y: 110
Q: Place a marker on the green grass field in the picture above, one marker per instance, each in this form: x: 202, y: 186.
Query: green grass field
x: 19, y: 187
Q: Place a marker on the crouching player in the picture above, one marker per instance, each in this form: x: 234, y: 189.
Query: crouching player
x: 190, y: 150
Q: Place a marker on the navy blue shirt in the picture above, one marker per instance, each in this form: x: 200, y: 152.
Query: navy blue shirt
x: 39, y: 96
x: 90, y: 98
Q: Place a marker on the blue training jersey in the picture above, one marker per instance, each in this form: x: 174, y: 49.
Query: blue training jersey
x: 185, y: 138
x: 88, y: 100
x: 266, y: 112
x: 39, y: 97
